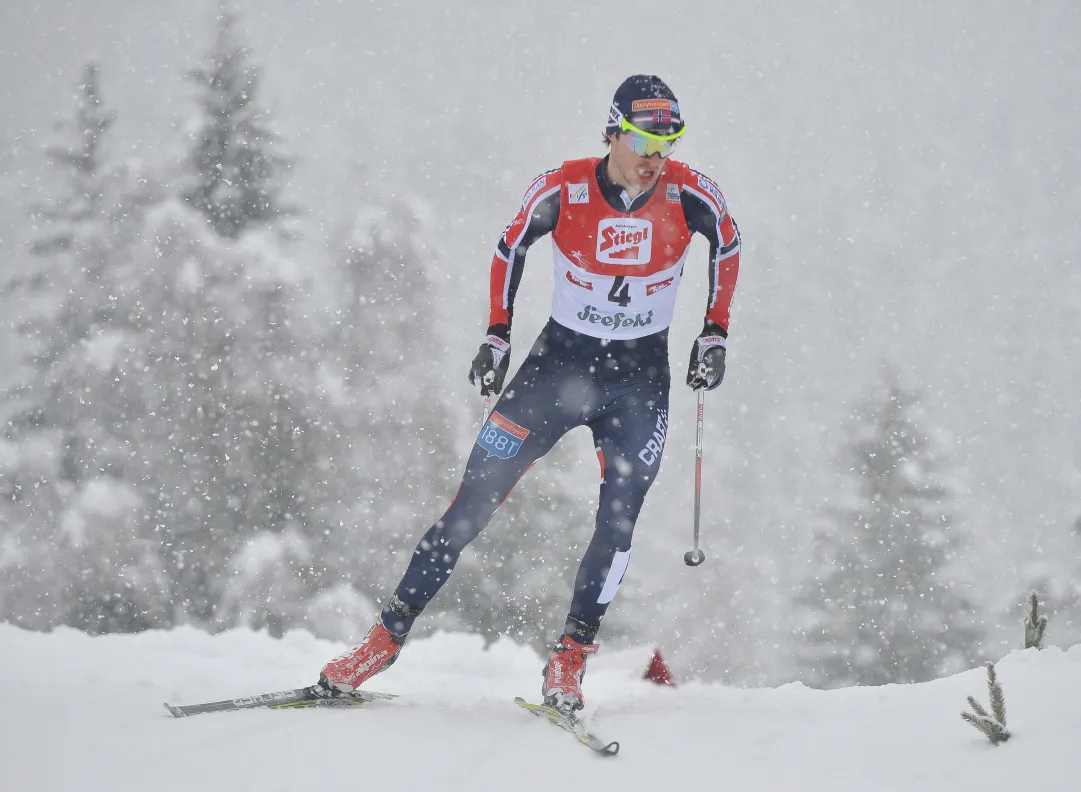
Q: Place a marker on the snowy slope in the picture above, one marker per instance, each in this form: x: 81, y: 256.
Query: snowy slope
x: 81, y: 713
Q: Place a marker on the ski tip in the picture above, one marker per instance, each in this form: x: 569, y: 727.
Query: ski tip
x: 569, y: 722
x: 176, y: 712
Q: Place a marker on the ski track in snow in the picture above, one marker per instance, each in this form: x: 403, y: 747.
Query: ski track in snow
x: 84, y: 713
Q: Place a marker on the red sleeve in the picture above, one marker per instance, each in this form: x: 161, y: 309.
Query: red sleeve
x: 537, y: 216
x: 724, y: 270
x: 707, y: 213
x: 499, y: 297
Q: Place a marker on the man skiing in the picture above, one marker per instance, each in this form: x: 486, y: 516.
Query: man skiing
x: 621, y: 228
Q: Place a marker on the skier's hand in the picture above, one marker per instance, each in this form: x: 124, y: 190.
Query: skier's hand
x: 706, y: 369
x: 489, y: 367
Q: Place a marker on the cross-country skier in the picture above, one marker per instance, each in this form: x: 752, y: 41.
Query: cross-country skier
x: 621, y: 228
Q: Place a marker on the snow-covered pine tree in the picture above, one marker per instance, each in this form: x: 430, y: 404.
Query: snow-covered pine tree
x: 84, y: 220
x: 73, y: 523
x: 879, y: 603
x: 230, y: 404
x: 81, y: 160
x: 231, y: 421
x: 235, y: 164
x: 185, y: 380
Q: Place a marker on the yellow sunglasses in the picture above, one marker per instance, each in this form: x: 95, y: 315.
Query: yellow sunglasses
x: 646, y: 144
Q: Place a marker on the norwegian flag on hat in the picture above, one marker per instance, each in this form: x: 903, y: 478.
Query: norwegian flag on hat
x: 648, y: 103
x: 659, y: 117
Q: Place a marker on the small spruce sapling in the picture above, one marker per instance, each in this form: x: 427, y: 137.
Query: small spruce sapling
x: 992, y: 724
x: 1035, y: 623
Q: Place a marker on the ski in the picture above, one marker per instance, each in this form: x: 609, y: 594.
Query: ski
x: 570, y: 723
x: 298, y: 698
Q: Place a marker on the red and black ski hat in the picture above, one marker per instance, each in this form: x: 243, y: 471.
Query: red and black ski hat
x: 647, y: 102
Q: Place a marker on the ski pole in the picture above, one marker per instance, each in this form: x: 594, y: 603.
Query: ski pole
x: 695, y: 557
x: 489, y: 378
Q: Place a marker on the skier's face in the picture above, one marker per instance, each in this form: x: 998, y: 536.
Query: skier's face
x: 636, y: 173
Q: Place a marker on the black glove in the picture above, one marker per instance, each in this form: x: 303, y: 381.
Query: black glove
x: 706, y: 369
x: 490, y: 366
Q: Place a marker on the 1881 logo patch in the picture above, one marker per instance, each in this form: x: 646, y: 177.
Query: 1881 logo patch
x: 502, y: 437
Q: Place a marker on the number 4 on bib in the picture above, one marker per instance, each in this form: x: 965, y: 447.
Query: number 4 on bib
x: 620, y: 292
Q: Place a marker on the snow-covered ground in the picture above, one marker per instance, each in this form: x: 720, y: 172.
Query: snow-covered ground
x: 82, y: 713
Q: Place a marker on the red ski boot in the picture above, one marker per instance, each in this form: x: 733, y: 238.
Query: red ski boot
x: 563, y: 673
x: 376, y: 653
